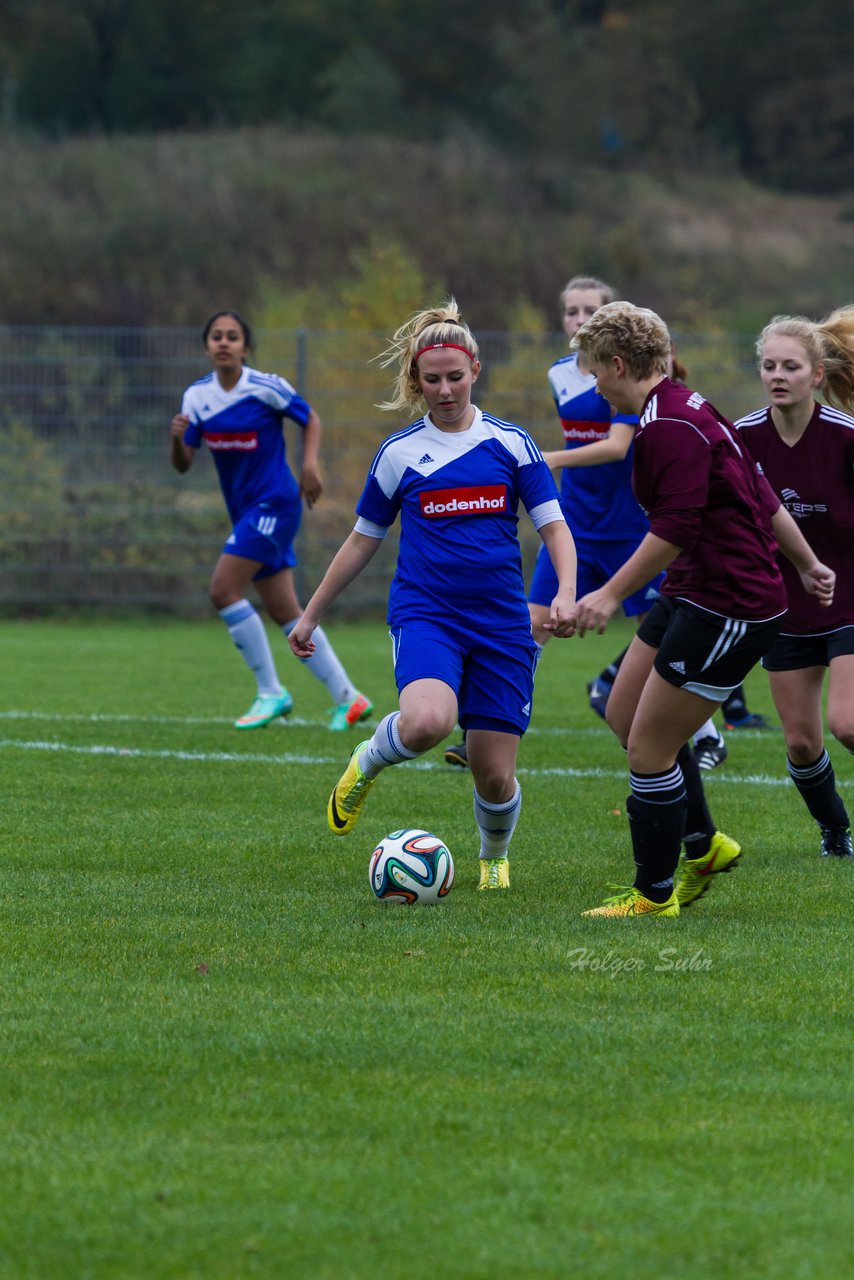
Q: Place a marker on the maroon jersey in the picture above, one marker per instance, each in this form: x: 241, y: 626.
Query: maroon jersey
x: 702, y: 492
x: 815, y: 480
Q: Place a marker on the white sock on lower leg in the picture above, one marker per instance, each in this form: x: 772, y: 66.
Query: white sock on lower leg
x: 250, y: 639
x: 325, y: 665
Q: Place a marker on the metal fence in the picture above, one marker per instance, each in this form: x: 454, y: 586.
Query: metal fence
x: 92, y: 514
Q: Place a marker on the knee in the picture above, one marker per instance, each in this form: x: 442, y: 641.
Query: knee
x: 424, y: 728
x: 617, y: 724
x: 281, y: 617
x: 495, y: 785
x: 802, y: 745
x: 221, y: 596
x: 842, y: 728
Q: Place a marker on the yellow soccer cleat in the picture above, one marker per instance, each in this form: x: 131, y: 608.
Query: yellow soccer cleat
x: 494, y: 873
x: 631, y: 902
x: 695, y: 874
x: 345, y: 803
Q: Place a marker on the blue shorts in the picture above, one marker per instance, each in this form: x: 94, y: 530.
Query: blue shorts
x: 266, y: 533
x: 597, y: 563
x: 491, y: 675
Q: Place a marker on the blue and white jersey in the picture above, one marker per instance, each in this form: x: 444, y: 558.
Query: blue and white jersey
x: 597, y: 501
x: 243, y: 430
x: 458, y: 497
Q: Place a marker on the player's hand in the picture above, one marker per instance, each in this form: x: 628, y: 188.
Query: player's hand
x: 300, y: 638
x: 820, y: 581
x: 310, y: 485
x: 594, y: 611
x: 561, y: 621
x: 179, y: 425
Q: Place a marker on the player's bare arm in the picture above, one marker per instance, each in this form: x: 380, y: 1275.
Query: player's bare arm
x: 561, y: 548
x: 349, y: 561
x: 613, y: 449
x: 182, y: 454
x: 818, y: 579
x: 310, y: 482
x: 594, y: 611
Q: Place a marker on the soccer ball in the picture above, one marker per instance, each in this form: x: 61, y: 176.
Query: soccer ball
x: 411, y: 866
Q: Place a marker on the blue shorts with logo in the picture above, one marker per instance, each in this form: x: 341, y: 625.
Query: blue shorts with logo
x: 597, y: 563
x: 491, y: 675
x: 266, y: 533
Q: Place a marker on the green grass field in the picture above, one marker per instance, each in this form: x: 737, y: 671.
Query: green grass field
x: 221, y: 1058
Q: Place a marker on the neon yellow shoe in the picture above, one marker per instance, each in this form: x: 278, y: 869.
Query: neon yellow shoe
x: 631, y: 902
x: 348, y: 796
x: 695, y: 874
x: 266, y: 707
x: 494, y: 873
x: 348, y: 714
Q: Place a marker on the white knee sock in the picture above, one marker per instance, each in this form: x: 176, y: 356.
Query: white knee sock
x: 496, y: 823
x: 325, y: 665
x: 385, y: 748
x: 708, y: 730
x: 250, y: 639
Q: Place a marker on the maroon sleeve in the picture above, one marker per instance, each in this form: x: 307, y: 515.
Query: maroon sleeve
x: 678, y: 462
x: 770, y: 499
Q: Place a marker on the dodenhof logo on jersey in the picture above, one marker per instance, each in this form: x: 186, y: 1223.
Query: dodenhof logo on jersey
x: 239, y: 440
x: 478, y: 500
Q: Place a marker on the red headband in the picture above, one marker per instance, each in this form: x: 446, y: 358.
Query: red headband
x: 434, y: 345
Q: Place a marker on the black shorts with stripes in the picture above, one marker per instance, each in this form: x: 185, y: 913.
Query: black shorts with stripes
x: 704, y: 652
x: 794, y: 653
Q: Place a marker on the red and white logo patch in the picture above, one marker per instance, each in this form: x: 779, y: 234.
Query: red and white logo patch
x: 239, y: 440
x: 479, y: 500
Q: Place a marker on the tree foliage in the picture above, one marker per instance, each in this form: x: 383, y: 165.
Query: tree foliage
x: 633, y: 82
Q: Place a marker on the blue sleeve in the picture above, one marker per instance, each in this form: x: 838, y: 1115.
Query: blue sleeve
x: 536, y: 485
x: 298, y: 409
x: 375, y: 506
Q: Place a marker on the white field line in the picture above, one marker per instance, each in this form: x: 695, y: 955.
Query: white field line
x: 255, y: 757
x: 595, y: 730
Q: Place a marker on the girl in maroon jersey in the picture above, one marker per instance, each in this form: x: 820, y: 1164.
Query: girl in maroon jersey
x: 806, y: 451
x: 715, y: 525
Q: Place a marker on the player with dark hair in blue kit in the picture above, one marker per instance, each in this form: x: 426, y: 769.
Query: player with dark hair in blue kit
x: 239, y: 414
x: 459, y: 621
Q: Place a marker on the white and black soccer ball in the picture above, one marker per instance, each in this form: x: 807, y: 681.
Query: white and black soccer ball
x: 411, y: 866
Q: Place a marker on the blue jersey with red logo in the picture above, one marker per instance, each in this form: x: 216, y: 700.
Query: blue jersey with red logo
x: 243, y: 430
x: 458, y: 496
x: 597, y: 501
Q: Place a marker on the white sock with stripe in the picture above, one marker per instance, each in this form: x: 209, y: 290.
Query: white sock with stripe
x: 385, y: 748
x: 325, y: 665
x: 250, y: 640
x: 496, y: 823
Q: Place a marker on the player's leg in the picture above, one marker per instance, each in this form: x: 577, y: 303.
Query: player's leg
x: 229, y: 584
x: 495, y: 698
x: 797, y: 696
x: 428, y: 667
x: 497, y: 801
x: 737, y: 715
x: 544, y: 586
x: 607, y: 558
x: 840, y: 721
x: 428, y: 712
x: 656, y: 717
x: 349, y: 706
